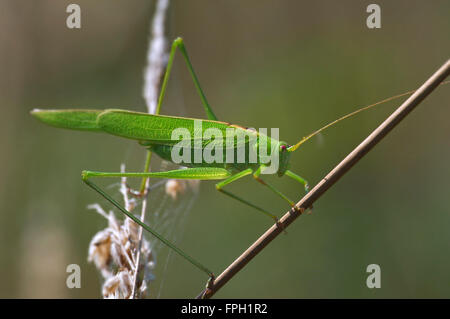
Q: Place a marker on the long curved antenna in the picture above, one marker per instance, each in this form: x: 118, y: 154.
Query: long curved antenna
x: 304, y: 139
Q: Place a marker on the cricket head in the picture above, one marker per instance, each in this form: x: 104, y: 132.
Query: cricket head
x: 284, y: 157
x: 285, y: 151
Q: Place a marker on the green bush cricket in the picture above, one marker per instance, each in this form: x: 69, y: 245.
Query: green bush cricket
x: 154, y: 131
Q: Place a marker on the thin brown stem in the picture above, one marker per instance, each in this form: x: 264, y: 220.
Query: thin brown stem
x: 156, y: 63
x: 329, y: 180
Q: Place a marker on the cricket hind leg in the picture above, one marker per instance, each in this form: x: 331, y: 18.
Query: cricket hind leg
x: 178, y: 43
x: 193, y: 173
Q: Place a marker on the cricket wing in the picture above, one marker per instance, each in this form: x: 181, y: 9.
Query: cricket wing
x: 154, y: 129
x: 159, y: 129
x: 85, y: 120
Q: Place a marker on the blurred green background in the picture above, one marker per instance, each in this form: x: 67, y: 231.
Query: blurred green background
x: 295, y: 65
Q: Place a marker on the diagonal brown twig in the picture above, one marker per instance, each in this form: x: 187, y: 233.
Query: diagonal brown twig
x: 329, y: 180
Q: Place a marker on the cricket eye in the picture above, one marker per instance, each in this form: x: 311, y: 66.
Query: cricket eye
x: 283, y: 147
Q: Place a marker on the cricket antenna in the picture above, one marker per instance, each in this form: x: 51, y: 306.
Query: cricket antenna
x: 304, y: 139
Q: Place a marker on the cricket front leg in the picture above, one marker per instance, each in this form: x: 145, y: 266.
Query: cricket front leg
x: 299, y: 179
x: 302, y: 181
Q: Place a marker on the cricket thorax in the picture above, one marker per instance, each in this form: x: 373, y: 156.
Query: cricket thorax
x: 273, y: 156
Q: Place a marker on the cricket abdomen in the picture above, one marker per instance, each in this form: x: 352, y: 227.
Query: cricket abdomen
x: 167, y: 152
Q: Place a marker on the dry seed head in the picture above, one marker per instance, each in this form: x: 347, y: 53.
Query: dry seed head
x: 100, y: 251
x: 175, y: 187
x: 118, y: 286
x: 115, y: 248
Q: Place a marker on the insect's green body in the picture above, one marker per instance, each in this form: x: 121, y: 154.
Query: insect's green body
x: 165, y: 151
x: 235, y: 165
x: 156, y: 133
